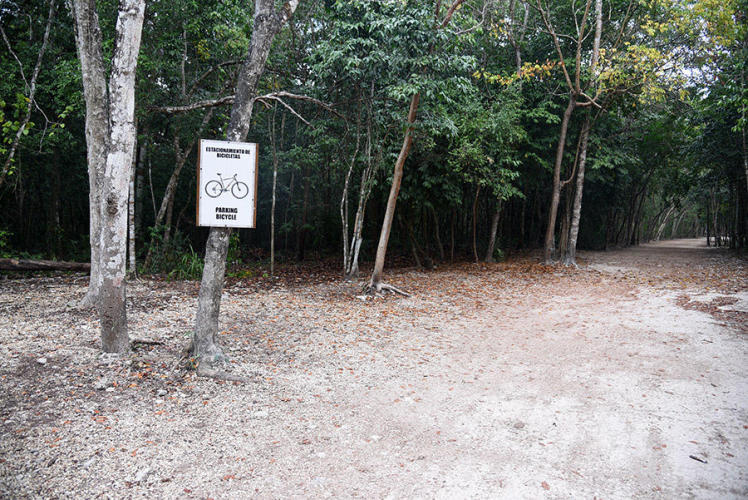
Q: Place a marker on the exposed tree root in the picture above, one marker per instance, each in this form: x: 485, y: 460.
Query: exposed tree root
x: 383, y: 288
x: 87, y: 302
x: 208, y: 369
x: 204, y: 370
x: 571, y: 263
x: 145, y: 342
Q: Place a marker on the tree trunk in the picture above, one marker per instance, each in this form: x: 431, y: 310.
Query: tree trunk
x: 352, y: 270
x: 275, y: 183
x: 475, y: 224
x: 452, y: 237
x: 571, y: 253
x: 437, y: 236
x: 708, y: 231
x: 664, y: 222
x: 411, y: 239
x: 53, y: 218
x: 676, y: 224
x: 116, y: 177
x: 375, y: 283
x: 267, y: 23
x: 550, y: 232
x: 743, y: 120
x: 715, y: 212
x: 88, y: 44
x: 494, y: 230
x: 522, y: 223
x: 397, y: 177
x: 288, y: 208
x: 638, y: 218
x: 139, y: 193
x: 164, y: 216
x: 301, y: 234
x: 344, y: 199
x: 132, y: 261
x: 563, y: 238
x: 110, y: 138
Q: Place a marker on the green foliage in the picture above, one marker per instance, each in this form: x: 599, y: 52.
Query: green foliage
x: 485, y: 151
x: 175, y: 257
x: 234, y: 253
x: 672, y: 86
x: 498, y: 255
x: 189, y: 266
x: 5, y: 243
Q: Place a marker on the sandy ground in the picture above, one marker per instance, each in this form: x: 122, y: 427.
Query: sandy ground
x: 626, y: 378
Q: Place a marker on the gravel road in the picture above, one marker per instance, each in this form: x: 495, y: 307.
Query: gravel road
x: 625, y: 378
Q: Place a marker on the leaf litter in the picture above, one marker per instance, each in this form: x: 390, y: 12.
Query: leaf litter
x: 491, y: 378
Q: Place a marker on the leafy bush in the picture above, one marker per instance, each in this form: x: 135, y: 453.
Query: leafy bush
x: 176, y: 258
x: 4, y: 246
x: 189, y: 266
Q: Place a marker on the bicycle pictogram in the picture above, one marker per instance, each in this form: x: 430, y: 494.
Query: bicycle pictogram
x: 216, y: 188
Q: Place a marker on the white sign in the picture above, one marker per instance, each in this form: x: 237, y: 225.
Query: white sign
x: 227, y: 184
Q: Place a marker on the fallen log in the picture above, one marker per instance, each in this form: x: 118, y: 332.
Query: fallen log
x: 42, y: 265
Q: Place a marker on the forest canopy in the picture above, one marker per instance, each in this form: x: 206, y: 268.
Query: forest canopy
x: 521, y: 107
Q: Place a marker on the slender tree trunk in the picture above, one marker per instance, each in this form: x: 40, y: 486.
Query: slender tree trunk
x: 715, y: 212
x: 301, y: 234
x: 168, y: 220
x: 397, y: 177
x: 452, y: 237
x: 132, y: 261
x: 563, y: 238
x: 358, y: 225
x: 571, y: 254
x: 676, y: 225
x: 288, y: 209
x: 267, y: 23
x: 638, y: 218
x: 664, y: 222
x: 275, y: 182
x: 411, y: 239
x: 494, y: 231
x: 164, y: 216
x: 437, y: 236
x: 139, y: 193
x: 743, y: 120
x: 550, y: 232
x: 475, y: 224
x: 352, y: 270
x: 708, y: 232
x: 736, y: 216
x: 344, y: 199
x: 375, y: 283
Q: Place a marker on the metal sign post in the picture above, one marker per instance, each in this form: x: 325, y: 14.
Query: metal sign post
x: 227, y: 184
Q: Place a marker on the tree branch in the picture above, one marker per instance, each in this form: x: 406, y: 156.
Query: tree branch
x: 210, y: 103
x: 547, y: 22
x: 450, y: 12
x: 32, y: 91
x: 293, y: 111
x: 288, y: 95
x: 210, y: 70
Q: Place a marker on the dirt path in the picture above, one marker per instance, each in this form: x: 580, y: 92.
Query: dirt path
x: 626, y: 378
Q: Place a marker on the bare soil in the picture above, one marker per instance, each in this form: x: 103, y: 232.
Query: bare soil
x: 625, y: 378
